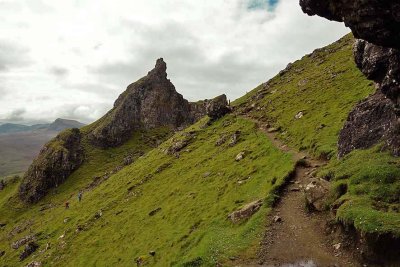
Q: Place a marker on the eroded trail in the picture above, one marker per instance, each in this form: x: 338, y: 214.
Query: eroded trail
x: 295, y: 236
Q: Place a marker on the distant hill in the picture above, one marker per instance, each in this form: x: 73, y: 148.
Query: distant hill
x: 20, y: 144
x: 57, y: 125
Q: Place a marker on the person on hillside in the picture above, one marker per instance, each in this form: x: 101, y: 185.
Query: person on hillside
x: 67, y: 205
x: 80, y: 196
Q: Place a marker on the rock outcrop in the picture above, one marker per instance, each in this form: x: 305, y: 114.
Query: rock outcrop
x: 377, y: 22
x: 150, y: 102
x: 372, y: 121
x: 217, y: 107
x: 56, y: 161
x: 380, y: 64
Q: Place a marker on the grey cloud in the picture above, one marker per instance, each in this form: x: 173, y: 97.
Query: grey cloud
x: 12, y: 55
x: 59, y: 71
x: 16, y: 115
x: 194, y: 75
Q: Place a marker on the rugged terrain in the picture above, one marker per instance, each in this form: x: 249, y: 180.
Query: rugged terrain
x: 159, y: 195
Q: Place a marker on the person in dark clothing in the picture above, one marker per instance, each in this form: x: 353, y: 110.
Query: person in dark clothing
x: 80, y: 196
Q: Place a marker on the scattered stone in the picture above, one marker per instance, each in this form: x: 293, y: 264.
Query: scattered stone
x: 22, y: 241
x: 246, y: 212
x: 34, y: 264
x: 234, y: 138
x: 221, y: 140
x: 2, y: 224
x: 206, y: 174
x: 128, y: 160
x: 66, y: 220
x: 316, y: 193
x: 299, y: 115
x: 295, y: 189
x: 178, y: 146
x: 152, y: 253
x: 276, y: 219
x: 240, y: 156
x: 154, y: 212
x: 62, y: 236
x: 28, y: 250
x: 2, y: 253
x: 337, y: 246
x: 98, y: 214
x: 273, y: 130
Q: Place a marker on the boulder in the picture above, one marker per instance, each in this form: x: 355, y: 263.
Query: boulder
x: 28, y: 250
x: 317, y: 193
x: 217, y: 107
x: 240, y: 156
x: 22, y: 241
x: 372, y: 121
x: 246, y: 211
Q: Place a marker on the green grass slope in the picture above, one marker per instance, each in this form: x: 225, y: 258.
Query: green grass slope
x: 325, y: 86
x: 190, y: 196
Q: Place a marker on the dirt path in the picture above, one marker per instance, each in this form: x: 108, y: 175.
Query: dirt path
x: 301, y: 238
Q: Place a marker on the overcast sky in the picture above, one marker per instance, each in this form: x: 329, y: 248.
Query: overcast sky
x: 72, y: 58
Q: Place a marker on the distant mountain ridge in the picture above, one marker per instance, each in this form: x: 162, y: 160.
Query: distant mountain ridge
x: 57, y: 125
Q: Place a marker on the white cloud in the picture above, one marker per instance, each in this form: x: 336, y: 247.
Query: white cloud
x: 83, y: 54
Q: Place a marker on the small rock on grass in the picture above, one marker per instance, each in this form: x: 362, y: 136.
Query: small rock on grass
x: 240, y: 156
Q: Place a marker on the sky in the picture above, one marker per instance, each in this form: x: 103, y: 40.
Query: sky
x: 72, y: 58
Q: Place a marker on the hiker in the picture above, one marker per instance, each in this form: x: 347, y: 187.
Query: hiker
x: 66, y: 205
x: 80, y: 196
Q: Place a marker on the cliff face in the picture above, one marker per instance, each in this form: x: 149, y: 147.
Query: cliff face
x: 56, y: 161
x: 148, y: 103
x: 377, y: 22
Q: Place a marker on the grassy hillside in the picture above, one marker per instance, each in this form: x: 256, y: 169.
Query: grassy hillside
x: 190, y: 196
x: 325, y: 86
x: 175, y: 197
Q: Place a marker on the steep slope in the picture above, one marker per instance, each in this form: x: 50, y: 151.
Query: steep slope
x: 174, y: 200
x: 167, y: 203
x: 307, y: 104
x: 151, y: 103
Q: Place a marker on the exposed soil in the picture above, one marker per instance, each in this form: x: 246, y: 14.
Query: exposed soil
x: 301, y: 238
